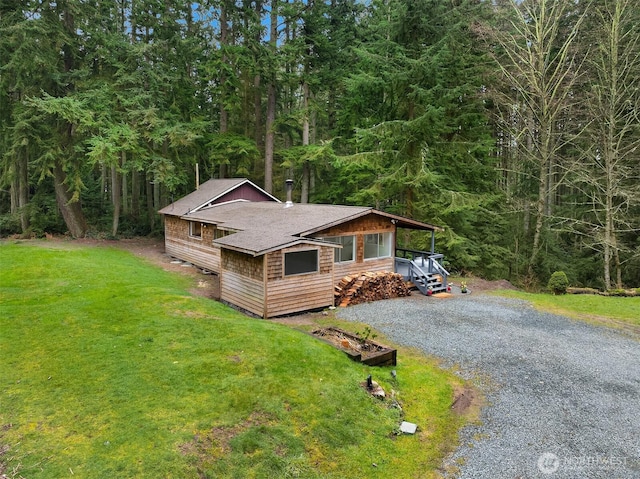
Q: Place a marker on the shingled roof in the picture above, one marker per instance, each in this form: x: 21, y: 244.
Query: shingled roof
x: 267, y: 226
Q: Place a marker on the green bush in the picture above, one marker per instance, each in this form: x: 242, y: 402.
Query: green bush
x: 558, y: 282
x: 9, y: 224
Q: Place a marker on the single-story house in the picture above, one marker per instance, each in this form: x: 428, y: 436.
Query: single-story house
x: 273, y: 258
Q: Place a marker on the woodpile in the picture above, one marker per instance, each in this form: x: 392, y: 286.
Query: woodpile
x: 613, y: 292
x: 367, y: 287
x: 583, y: 291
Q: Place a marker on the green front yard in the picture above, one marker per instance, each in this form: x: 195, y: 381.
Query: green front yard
x: 110, y: 368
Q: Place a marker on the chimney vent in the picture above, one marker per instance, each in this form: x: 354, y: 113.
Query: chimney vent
x: 289, y: 187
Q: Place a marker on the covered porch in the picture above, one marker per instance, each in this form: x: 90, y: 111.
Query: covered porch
x: 422, y: 268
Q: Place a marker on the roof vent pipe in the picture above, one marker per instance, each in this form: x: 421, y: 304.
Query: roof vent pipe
x: 289, y: 187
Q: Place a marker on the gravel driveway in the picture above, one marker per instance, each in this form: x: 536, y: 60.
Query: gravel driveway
x: 563, y: 397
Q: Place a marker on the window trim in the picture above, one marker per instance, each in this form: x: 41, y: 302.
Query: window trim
x: 191, y: 234
x: 389, y: 234
x: 306, y: 250
x: 354, y: 248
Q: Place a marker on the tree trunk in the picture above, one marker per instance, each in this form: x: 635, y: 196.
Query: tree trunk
x: 257, y: 112
x: 71, y: 210
x: 125, y: 186
x: 151, y: 214
x: 269, y: 144
x: 306, y: 167
x: 540, y: 207
x: 224, y: 114
x: 135, y: 194
x: 116, y: 199
x: 257, y: 93
x: 20, y: 191
x: 616, y: 255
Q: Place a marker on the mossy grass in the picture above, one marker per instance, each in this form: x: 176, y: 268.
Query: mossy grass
x: 605, y: 310
x: 110, y: 368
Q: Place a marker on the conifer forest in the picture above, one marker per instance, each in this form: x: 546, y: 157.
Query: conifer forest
x: 513, y: 124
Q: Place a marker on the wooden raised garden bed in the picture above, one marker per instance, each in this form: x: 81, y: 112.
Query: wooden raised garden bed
x: 362, y: 350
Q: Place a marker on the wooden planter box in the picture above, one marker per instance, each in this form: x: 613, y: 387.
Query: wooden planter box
x: 365, y: 351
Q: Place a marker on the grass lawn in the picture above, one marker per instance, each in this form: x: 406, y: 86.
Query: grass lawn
x: 110, y: 368
x: 607, y: 310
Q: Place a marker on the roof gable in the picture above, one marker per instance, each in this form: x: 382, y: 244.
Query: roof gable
x: 216, y: 191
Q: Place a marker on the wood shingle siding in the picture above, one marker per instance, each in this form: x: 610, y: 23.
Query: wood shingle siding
x: 299, y: 293
x: 246, y: 265
x: 365, y: 225
x: 302, y: 292
x: 275, y: 265
x: 244, y: 292
x: 197, y: 251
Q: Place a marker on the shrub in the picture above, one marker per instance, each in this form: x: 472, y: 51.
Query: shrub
x: 9, y: 224
x: 558, y: 282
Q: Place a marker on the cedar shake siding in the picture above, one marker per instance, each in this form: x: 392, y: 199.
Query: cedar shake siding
x: 360, y: 227
x: 301, y: 292
x: 242, y: 281
x: 198, y: 251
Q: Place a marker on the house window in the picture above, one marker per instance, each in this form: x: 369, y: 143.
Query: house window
x: 218, y: 233
x: 195, y: 229
x: 377, y: 245
x: 301, y: 262
x: 347, y: 252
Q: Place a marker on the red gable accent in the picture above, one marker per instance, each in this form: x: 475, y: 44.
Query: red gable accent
x: 245, y: 191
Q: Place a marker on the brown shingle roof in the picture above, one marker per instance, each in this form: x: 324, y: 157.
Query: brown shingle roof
x: 265, y: 226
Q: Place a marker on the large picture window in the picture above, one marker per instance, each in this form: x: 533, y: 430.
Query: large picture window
x: 377, y: 245
x: 195, y: 229
x: 347, y: 252
x: 301, y: 262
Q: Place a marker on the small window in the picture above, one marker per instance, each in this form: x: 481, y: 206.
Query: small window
x: 347, y: 252
x: 301, y: 262
x: 195, y: 229
x: 377, y: 245
x: 218, y: 233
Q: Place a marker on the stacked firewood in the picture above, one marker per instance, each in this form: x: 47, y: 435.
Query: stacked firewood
x: 367, y: 287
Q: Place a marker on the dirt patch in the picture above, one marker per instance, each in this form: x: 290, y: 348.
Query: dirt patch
x: 466, y: 401
x: 478, y: 285
x: 213, y: 444
x: 305, y: 319
x: 443, y: 295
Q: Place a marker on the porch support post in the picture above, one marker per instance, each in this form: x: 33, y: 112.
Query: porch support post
x: 433, y: 241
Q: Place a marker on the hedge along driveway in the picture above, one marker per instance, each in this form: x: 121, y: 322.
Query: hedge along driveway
x: 562, y: 394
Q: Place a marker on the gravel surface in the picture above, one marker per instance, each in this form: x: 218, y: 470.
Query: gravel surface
x: 563, y: 397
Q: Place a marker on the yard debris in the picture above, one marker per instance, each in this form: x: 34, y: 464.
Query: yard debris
x: 374, y: 388
x: 357, y: 347
x: 370, y: 286
x: 408, y: 427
